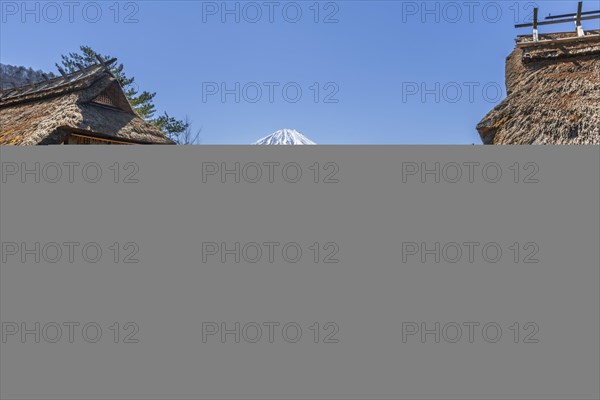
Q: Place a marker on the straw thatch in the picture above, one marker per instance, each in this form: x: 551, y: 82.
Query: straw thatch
x: 553, y: 93
x: 49, y: 112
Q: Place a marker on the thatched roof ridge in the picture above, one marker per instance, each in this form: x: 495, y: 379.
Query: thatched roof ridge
x: 553, y: 93
x: 43, y: 113
x: 52, y: 87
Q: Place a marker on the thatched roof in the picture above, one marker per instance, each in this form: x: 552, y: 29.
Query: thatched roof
x: 46, y: 112
x: 553, y: 93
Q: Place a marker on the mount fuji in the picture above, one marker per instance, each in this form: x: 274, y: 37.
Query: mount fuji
x: 285, y: 136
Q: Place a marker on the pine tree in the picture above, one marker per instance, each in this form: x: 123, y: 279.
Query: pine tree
x: 142, y: 103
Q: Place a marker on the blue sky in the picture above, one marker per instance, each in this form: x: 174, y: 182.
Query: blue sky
x: 361, y: 73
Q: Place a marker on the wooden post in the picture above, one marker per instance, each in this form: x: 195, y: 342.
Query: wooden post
x: 580, y: 31
x: 536, y: 35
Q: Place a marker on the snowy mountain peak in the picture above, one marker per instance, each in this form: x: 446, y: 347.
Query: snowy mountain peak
x: 285, y: 136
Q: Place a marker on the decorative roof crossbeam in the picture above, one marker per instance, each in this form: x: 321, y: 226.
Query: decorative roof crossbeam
x: 561, y: 19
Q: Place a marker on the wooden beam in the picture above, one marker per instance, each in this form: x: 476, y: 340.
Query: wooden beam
x: 100, y: 139
x: 572, y: 15
x: 560, y: 21
x: 100, y: 59
x: 106, y: 64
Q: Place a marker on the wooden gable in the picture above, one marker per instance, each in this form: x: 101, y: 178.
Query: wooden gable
x: 113, y: 97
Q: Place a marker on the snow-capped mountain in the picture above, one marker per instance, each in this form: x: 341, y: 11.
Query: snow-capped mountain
x: 285, y: 136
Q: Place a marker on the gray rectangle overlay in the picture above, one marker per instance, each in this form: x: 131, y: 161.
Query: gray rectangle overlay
x: 317, y: 272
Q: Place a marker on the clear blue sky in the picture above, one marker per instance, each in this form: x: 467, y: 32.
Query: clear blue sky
x: 375, y: 52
